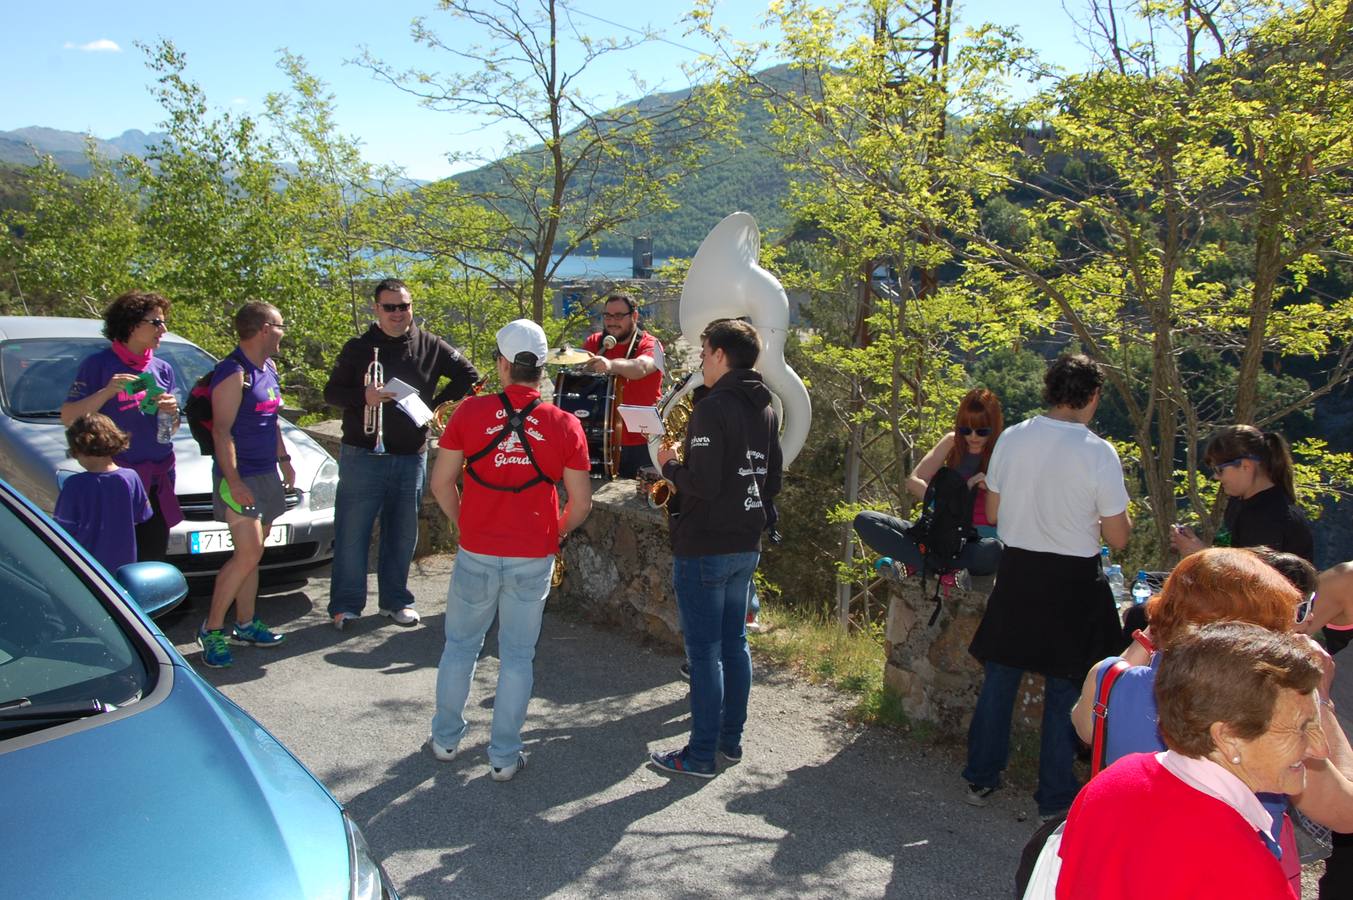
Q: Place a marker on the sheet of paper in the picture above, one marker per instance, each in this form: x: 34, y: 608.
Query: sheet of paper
x: 641, y: 419
x: 414, y: 408
x: 400, y: 389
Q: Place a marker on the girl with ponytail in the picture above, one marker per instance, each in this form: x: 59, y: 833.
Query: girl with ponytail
x: 1255, y: 471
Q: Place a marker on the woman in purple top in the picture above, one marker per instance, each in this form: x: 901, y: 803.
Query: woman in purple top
x: 134, y: 323
x: 102, y: 506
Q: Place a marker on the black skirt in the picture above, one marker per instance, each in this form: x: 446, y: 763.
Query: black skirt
x: 1050, y: 614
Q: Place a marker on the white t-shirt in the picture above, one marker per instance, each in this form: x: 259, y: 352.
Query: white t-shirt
x: 1056, y: 480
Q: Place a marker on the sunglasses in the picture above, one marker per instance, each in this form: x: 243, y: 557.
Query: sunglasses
x: 1222, y: 467
x: 395, y: 307
x: 1305, y: 607
x: 981, y: 432
x: 156, y: 323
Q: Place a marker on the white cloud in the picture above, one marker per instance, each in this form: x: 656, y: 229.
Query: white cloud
x: 239, y: 101
x: 102, y: 45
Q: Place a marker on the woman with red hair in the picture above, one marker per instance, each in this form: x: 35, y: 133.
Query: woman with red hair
x: 966, y: 450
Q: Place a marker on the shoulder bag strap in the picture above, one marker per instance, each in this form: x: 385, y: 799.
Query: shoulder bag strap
x: 1099, y: 739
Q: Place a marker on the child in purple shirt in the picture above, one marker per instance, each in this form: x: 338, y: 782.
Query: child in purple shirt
x: 102, y: 505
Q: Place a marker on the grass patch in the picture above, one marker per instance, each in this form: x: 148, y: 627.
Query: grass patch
x: 849, y: 662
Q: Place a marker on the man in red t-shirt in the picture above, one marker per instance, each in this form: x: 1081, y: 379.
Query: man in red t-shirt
x: 513, y: 450
x: 636, y: 361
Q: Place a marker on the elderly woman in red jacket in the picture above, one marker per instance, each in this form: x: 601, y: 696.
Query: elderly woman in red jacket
x: 1240, y: 715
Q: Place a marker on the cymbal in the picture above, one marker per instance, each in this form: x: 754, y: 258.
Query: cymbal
x: 566, y: 356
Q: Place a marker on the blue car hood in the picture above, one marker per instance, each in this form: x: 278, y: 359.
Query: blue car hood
x: 186, y: 798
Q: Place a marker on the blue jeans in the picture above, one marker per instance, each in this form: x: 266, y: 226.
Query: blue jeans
x: 989, y: 737
x: 888, y: 536
x: 513, y: 588
x: 712, y: 594
x: 370, y: 484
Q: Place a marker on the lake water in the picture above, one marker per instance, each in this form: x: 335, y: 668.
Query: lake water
x: 584, y: 267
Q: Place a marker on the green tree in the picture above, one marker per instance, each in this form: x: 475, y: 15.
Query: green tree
x: 1181, y: 212
x: 76, y: 244
x: 572, y: 170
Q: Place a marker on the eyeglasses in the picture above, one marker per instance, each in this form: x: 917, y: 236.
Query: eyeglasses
x: 981, y: 432
x: 1305, y: 607
x: 275, y: 325
x: 156, y: 323
x: 616, y: 317
x: 1222, y: 467
x: 395, y: 307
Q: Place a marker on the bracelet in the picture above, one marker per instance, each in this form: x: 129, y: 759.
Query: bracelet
x: 285, y: 457
x: 1140, y: 637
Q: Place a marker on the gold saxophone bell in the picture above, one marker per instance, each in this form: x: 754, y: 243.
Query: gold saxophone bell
x: 659, y: 492
x: 441, y: 416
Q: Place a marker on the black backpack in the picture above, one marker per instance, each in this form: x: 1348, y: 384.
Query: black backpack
x: 198, y: 412
x: 944, y: 527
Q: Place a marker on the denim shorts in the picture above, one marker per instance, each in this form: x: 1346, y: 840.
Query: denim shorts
x: 270, y: 500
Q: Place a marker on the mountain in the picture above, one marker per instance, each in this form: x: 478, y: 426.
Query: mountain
x: 738, y: 175
x: 21, y: 146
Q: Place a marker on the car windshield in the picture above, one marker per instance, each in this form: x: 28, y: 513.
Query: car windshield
x: 36, y: 374
x: 59, y: 645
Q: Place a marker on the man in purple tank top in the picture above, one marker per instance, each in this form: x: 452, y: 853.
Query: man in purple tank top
x: 247, y: 491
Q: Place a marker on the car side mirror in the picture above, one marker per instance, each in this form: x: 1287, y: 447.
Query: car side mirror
x: 156, y: 587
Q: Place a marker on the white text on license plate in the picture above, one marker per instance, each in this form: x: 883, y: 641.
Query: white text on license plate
x: 221, y: 542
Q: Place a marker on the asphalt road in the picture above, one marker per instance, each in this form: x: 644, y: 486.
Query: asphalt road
x: 817, y: 807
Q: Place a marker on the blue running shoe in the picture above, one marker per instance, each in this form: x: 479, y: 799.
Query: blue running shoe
x: 215, y: 649
x: 255, y: 633
x: 677, y: 761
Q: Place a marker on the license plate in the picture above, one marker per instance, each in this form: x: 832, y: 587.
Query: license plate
x: 221, y: 542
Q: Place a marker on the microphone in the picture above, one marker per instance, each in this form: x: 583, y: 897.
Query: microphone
x: 607, y: 343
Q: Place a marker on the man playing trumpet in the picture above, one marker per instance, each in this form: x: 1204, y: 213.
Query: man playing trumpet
x: 382, y: 465
x: 635, y: 358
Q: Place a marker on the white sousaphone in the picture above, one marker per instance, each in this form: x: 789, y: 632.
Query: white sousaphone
x: 725, y: 282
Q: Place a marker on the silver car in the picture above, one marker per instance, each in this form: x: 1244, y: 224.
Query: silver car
x: 39, y: 356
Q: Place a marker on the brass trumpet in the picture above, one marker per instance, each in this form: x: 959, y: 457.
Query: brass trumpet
x: 373, y: 417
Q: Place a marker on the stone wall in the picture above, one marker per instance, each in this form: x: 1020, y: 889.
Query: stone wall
x: 618, y: 566
x: 929, y: 665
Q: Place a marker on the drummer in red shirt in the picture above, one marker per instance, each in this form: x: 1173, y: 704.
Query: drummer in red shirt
x: 637, y: 362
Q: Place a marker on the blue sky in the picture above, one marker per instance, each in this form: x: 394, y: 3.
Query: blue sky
x: 74, y: 64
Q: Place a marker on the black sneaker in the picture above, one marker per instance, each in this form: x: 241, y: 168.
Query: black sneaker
x: 732, y: 754
x: 676, y: 761
x: 685, y: 671
x: 978, y: 796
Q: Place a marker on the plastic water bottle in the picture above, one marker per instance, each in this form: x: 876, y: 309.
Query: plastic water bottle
x: 1104, y: 558
x: 1141, y: 591
x: 164, y: 427
x: 1116, y: 583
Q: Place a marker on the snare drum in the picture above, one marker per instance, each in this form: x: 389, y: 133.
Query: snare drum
x: 591, y: 398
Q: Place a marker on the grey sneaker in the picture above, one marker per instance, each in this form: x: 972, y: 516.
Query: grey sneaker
x: 441, y: 753
x: 978, y: 796
x: 406, y: 616
x: 505, y: 773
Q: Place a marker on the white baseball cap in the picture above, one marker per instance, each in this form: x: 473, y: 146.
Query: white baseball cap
x: 522, y: 341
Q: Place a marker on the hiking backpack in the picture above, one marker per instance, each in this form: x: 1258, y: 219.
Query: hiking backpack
x: 944, y: 527
x: 198, y: 412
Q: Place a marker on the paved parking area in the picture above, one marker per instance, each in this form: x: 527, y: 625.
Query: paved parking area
x: 817, y: 807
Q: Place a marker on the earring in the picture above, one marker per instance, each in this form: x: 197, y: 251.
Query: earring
x: 1235, y: 760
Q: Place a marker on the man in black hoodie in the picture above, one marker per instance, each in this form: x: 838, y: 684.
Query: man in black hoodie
x: 388, y: 483
x: 726, y: 485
